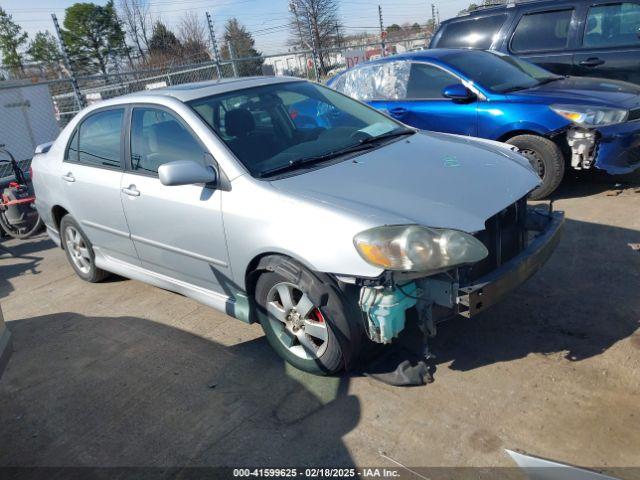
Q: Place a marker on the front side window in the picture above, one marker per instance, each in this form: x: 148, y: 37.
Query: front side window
x: 428, y: 81
x: 613, y: 25
x: 99, y: 139
x: 158, y: 137
x: 473, y: 33
x: 542, y: 31
x: 498, y: 72
x: 286, y: 126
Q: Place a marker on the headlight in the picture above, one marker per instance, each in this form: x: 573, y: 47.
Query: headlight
x: 591, y: 116
x: 418, y: 249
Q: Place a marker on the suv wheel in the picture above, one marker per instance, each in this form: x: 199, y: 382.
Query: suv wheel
x: 79, y: 251
x: 546, y: 158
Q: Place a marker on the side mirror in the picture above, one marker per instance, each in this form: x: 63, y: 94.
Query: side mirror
x: 185, y: 172
x: 458, y: 93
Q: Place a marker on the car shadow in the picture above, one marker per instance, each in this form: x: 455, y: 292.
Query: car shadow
x: 578, y: 184
x: 125, y: 391
x: 583, y: 301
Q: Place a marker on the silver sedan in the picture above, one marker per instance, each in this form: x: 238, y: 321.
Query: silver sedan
x: 282, y: 201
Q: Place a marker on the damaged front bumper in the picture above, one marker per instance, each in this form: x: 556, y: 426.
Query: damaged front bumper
x: 614, y: 148
x: 491, y: 288
x: 443, y: 296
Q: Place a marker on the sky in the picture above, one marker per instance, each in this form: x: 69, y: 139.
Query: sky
x: 266, y: 19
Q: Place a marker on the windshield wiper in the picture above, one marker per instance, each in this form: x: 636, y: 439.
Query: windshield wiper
x: 549, y: 80
x: 365, y: 144
x: 299, y: 162
x: 388, y: 135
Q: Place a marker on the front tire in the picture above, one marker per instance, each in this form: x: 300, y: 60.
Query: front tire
x: 546, y: 158
x: 305, y: 321
x: 79, y: 251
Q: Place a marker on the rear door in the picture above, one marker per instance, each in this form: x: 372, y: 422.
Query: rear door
x: 91, y: 174
x: 425, y: 107
x: 177, y: 231
x: 610, y: 41
x: 546, y: 37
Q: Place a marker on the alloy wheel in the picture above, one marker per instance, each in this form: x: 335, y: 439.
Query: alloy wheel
x: 297, y: 322
x: 78, y: 251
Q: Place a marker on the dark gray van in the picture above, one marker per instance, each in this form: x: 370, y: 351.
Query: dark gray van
x: 598, y: 38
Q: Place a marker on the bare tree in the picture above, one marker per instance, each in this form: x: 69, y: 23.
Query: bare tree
x: 322, y: 17
x: 193, y: 36
x: 138, y: 23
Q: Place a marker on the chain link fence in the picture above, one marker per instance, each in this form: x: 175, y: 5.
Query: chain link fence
x: 320, y: 65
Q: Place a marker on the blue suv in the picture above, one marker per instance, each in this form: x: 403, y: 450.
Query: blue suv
x: 557, y: 122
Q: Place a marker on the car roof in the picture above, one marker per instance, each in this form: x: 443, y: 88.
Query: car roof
x: 429, y: 54
x: 488, y: 9
x: 191, y: 91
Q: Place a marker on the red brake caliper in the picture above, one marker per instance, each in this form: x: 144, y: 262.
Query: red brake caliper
x: 317, y: 315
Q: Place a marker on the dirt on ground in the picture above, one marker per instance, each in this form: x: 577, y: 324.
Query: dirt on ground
x: 124, y: 374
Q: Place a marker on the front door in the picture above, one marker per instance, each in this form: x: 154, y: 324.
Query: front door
x: 177, y: 231
x: 427, y: 109
x: 91, y: 174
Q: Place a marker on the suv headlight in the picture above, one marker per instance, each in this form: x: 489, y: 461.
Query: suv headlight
x: 591, y: 116
x: 418, y: 249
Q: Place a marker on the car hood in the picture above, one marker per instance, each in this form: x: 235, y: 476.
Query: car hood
x: 431, y: 179
x: 582, y: 90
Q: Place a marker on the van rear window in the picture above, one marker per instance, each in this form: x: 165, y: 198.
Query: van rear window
x: 472, y: 33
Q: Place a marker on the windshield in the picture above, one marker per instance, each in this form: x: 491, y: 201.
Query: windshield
x: 289, y: 125
x: 499, y: 73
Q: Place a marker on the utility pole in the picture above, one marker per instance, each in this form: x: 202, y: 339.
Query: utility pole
x: 314, y: 49
x: 67, y: 63
x: 214, y: 44
x: 382, y: 34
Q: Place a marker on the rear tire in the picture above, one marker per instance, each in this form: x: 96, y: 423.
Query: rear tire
x: 79, y: 251
x: 546, y: 158
x: 305, y: 319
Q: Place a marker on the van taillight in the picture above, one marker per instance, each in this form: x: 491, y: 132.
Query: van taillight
x: 30, y: 173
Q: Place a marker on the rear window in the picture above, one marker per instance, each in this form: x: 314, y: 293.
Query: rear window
x: 613, y: 25
x: 542, y: 31
x: 473, y: 33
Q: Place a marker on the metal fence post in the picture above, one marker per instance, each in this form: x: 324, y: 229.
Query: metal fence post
x: 65, y: 57
x: 214, y: 44
x: 232, y: 55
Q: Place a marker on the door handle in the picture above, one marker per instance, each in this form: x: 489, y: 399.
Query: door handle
x: 69, y: 177
x: 592, y: 62
x: 398, y: 111
x: 131, y: 190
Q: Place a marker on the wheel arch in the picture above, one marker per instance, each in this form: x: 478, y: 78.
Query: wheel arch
x: 263, y: 263
x: 514, y: 133
x: 57, y: 213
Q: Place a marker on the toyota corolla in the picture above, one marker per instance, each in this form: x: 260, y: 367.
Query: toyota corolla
x: 326, y: 233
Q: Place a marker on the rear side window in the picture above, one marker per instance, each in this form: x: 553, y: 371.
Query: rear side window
x: 376, y: 81
x: 157, y: 137
x: 427, y: 81
x: 613, y: 25
x: 473, y: 33
x: 542, y: 31
x: 99, y: 140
